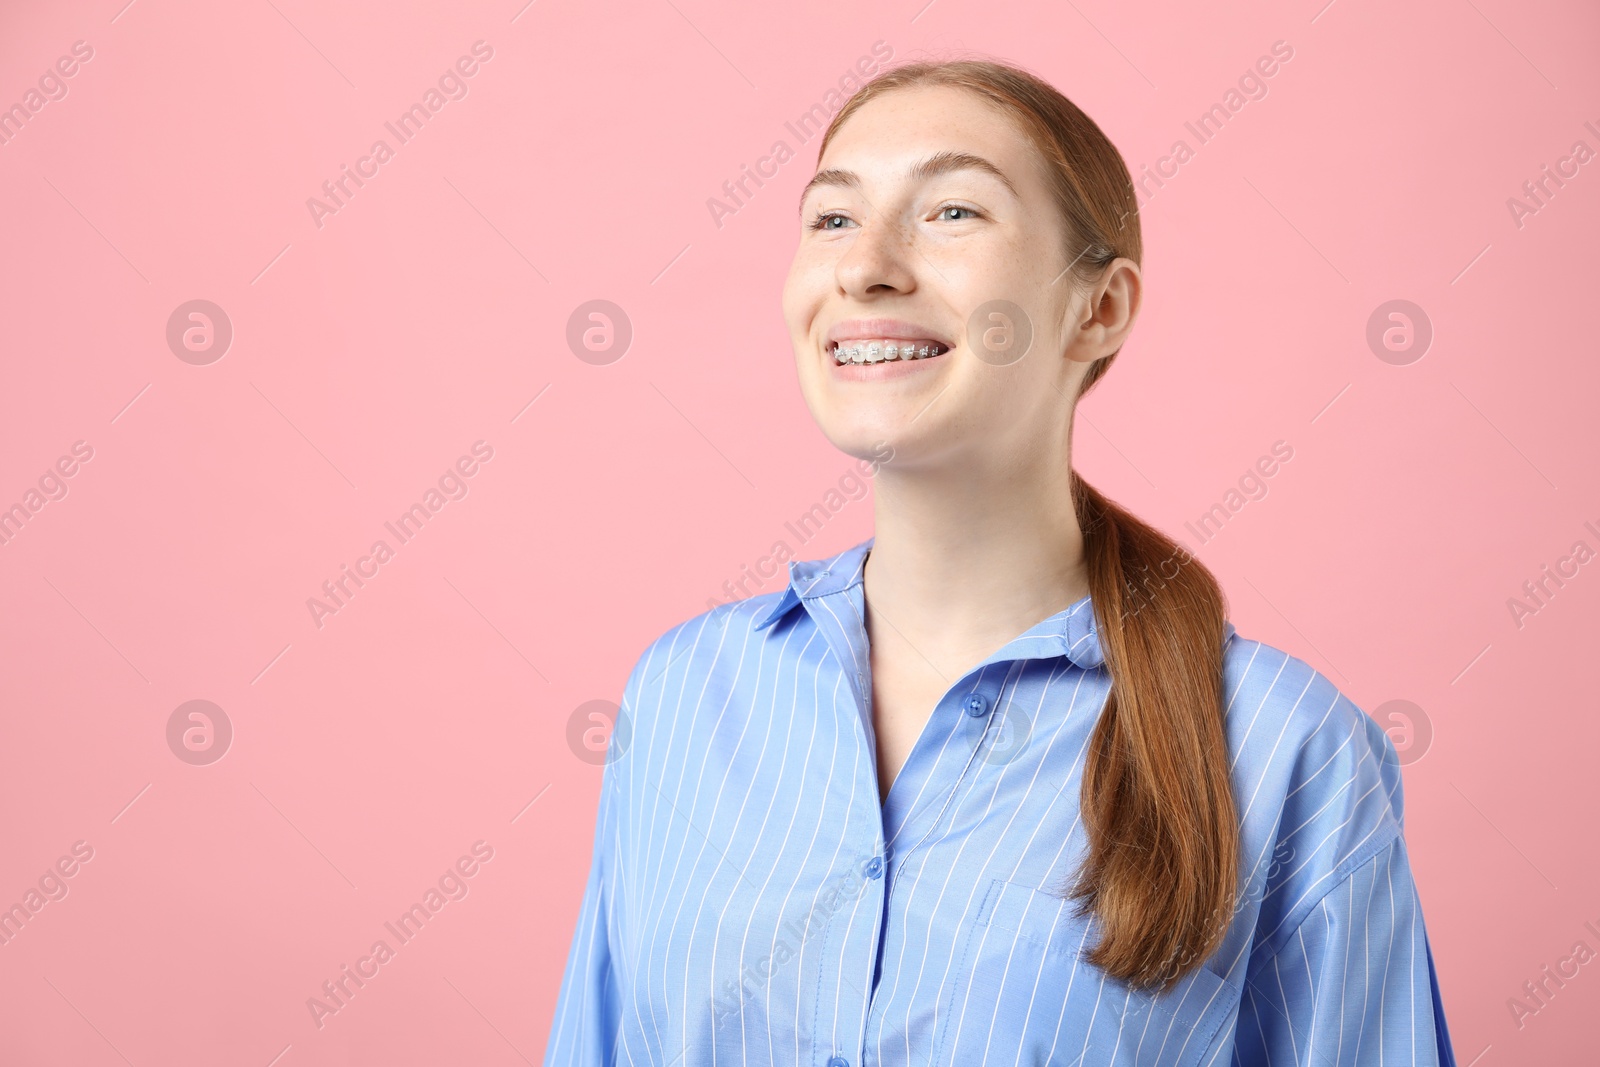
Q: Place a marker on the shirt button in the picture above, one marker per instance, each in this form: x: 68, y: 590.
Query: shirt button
x: 874, y: 867
x: 838, y: 1061
x: 977, y: 705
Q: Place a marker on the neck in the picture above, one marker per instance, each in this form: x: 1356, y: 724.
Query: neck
x: 963, y: 562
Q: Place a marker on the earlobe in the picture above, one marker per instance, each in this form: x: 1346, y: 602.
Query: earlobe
x: 1083, y: 355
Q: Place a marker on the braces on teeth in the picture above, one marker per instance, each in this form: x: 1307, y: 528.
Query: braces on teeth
x: 874, y: 352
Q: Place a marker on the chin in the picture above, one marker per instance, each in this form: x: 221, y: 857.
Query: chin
x: 866, y: 429
x: 876, y: 440
x: 855, y: 437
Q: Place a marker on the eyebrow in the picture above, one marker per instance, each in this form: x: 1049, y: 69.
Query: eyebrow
x: 940, y: 163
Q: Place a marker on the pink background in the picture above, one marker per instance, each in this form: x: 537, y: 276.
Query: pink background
x: 425, y: 315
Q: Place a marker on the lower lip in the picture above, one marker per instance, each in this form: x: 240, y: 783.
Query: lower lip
x: 883, y: 370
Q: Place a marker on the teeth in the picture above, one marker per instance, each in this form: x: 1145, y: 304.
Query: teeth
x: 882, y: 351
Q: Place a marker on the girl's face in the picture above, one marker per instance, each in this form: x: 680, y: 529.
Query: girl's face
x: 930, y: 223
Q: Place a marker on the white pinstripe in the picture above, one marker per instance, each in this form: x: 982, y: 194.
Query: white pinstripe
x: 752, y: 769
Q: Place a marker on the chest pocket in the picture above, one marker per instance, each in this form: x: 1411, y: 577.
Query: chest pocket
x: 1024, y: 993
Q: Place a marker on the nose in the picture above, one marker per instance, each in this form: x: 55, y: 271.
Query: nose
x: 878, y: 260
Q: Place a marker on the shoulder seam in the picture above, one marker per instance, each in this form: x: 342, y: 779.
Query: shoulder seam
x: 1341, y: 873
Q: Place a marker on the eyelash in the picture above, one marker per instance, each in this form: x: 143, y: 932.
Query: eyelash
x: 820, y: 220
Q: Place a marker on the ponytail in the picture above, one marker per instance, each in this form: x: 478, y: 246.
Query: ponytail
x: 1163, y: 862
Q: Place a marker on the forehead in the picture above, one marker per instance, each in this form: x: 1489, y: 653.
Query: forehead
x: 892, y: 132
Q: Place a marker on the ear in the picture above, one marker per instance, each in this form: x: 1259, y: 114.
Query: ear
x: 1108, y: 316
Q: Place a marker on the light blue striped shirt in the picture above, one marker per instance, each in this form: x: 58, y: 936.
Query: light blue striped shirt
x: 751, y: 901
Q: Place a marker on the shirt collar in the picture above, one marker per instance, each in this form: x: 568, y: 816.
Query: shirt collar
x: 1070, y: 632
x: 809, y: 579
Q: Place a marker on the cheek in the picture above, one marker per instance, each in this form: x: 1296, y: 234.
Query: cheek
x: 1015, y: 408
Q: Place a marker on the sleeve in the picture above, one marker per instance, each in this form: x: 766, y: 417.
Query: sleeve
x: 588, y: 1008
x: 1353, y: 984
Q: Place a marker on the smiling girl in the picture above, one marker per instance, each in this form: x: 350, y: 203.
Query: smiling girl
x: 1079, y: 819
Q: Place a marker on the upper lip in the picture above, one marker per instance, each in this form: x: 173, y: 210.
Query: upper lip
x: 886, y: 329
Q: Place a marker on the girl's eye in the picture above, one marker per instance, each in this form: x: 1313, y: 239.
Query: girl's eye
x: 955, y: 207
x: 825, y: 220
